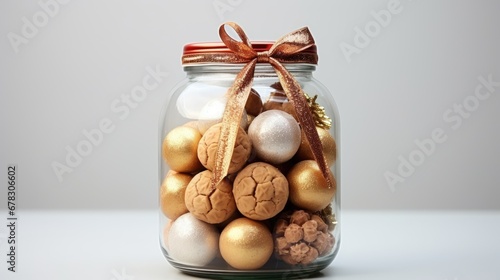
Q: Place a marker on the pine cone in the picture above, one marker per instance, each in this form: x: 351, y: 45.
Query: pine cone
x: 301, y: 238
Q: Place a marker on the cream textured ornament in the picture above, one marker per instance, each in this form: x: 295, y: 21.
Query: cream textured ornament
x: 210, y: 205
x: 260, y: 191
x: 207, y: 149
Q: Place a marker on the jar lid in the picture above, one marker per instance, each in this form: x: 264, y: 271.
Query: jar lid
x: 218, y: 52
x: 219, y: 47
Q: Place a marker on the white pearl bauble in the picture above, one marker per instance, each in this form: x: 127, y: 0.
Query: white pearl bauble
x: 192, y: 242
x: 275, y: 135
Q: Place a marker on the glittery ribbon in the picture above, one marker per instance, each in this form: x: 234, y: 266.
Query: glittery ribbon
x: 286, y: 49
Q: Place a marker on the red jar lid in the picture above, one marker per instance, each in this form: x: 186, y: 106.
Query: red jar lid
x: 219, y: 47
x: 217, y: 52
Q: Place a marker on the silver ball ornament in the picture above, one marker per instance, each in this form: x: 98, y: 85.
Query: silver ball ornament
x: 275, y: 135
x: 192, y: 242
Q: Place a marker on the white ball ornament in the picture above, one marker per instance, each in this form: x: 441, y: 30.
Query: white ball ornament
x: 192, y: 242
x: 275, y: 135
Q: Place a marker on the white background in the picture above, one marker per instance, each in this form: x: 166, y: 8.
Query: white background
x: 392, y: 92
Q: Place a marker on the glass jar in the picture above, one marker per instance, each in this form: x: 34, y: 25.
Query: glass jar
x: 274, y: 214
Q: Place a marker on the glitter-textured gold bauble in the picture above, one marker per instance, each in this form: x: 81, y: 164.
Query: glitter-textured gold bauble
x: 308, y: 188
x: 328, y: 143
x: 180, y: 149
x: 246, y: 244
x: 172, y: 192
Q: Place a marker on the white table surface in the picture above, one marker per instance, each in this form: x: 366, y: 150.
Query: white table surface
x: 123, y: 245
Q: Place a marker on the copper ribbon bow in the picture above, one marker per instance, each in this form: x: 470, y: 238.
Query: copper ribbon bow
x: 283, y: 49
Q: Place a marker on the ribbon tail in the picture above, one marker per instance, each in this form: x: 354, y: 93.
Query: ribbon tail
x: 297, y: 97
x: 237, y: 96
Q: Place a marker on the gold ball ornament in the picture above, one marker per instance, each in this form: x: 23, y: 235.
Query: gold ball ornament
x: 172, y: 192
x: 180, y: 149
x: 328, y: 143
x: 308, y: 188
x: 246, y: 244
